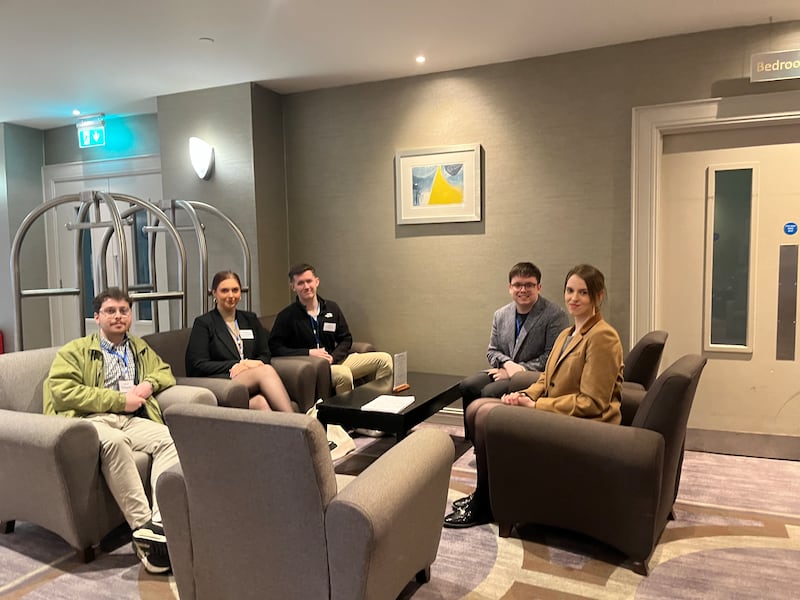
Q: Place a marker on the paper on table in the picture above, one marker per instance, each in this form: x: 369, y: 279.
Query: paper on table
x: 390, y: 404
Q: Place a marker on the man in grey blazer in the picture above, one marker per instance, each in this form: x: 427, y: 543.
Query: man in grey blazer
x: 523, y: 333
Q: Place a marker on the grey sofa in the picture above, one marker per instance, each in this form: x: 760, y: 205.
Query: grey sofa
x: 263, y: 515
x: 49, y: 465
x: 615, y: 483
x: 298, y: 376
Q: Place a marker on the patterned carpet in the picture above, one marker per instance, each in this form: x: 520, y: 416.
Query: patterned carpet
x: 736, y: 535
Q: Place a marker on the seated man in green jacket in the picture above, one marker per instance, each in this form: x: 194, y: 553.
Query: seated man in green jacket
x: 109, y: 379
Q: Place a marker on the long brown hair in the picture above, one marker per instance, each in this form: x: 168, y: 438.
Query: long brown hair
x: 595, y: 282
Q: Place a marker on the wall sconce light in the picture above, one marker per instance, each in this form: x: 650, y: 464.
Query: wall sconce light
x: 202, y: 155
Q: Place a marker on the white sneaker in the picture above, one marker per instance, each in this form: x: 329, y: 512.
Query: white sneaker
x: 150, y: 545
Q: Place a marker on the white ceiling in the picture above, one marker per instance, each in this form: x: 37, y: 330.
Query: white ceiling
x: 115, y: 57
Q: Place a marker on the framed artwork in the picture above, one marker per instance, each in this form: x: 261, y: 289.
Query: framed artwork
x: 438, y: 185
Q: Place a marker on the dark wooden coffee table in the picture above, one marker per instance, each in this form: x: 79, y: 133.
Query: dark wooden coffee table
x: 431, y: 391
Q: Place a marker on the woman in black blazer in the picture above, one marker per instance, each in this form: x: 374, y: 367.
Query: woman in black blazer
x: 226, y: 342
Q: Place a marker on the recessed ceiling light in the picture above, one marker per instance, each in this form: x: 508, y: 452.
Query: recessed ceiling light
x: 76, y: 113
x: 420, y: 59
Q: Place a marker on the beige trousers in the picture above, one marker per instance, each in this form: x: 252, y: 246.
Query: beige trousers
x: 360, y: 365
x: 120, y: 436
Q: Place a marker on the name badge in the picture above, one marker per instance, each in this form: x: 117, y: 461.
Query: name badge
x: 125, y: 385
x: 246, y: 334
x: 329, y: 327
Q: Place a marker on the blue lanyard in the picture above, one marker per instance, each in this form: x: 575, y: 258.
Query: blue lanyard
x: 315, y: 328
x: 123, y: 356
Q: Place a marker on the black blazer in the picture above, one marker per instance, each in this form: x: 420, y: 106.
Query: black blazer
x: 212, y: 350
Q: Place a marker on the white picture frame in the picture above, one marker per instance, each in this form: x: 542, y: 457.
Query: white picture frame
x: 438, y: 185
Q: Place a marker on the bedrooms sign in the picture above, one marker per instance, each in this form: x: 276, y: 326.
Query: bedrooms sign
x: 772, y: 66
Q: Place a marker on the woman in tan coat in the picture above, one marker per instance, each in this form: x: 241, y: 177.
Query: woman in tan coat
x: 582, y: 378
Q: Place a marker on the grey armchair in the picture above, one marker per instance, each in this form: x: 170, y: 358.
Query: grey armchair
x: 615, y: 483
x: 640, y: 370
x: 171, y: 347
x: 297, y: 376
x: 255, y: 509
x: 49, y: 465
x: 323, y: 388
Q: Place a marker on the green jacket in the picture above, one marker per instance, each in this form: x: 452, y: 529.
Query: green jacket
x: 74, y: 387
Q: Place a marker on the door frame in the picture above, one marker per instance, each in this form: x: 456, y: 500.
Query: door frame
x: 54, y: 174
x: 649, y: 126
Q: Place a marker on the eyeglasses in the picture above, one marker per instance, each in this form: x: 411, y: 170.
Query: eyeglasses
x: 524, y: 286
x: 110, y: 312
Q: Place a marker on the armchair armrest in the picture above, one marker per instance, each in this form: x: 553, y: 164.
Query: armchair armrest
x: 362, y: 347
x: 227, y: 392
x: 299, y: 377
x: 57, y: 458
x: 557, y: 463
x: 185, y: 392
x: 522, y: 380
x: 321, y: 373
x: 385, y: 525
x: 174, y: 505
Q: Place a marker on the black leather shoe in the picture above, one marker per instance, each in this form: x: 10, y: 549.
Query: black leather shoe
x: 467, y: 516
x: 462, y: 502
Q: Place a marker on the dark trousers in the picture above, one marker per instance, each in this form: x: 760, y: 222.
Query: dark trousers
x: 476, y: 417
x: 476, y: 386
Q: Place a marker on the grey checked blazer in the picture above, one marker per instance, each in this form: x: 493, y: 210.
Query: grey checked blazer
x: 536, y: 339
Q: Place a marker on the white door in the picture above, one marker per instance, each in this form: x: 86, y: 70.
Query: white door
x: 726, y: 273
x: 140, y: 178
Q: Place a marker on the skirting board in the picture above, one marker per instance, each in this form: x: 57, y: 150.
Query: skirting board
x: 740, y: 443
x: 759, y: 445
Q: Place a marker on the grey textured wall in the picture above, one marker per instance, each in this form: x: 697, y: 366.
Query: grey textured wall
x: 270, y: 194
x: 21, y: 159
x: 556, y: 138
x: 223, y: 118
x: 6, y: 235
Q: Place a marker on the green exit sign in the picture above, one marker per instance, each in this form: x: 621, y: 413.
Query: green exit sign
x: 89, y: 137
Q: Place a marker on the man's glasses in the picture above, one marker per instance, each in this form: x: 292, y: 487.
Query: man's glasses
x: 110, y: 312
x: 524, y: 286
